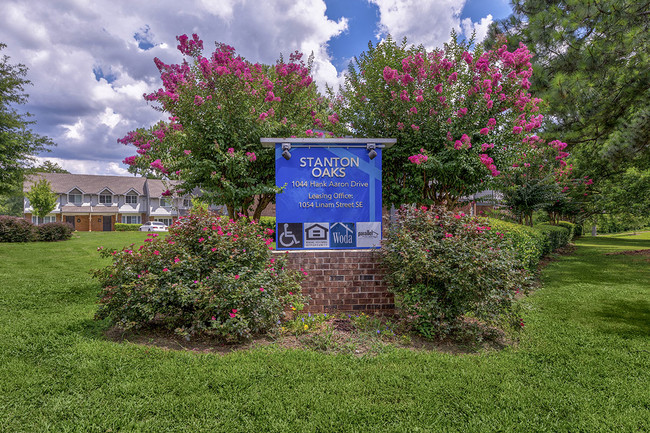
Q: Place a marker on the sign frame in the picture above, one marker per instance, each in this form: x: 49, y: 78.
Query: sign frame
x: 333, y: 189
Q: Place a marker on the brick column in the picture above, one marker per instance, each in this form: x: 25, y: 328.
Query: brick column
x: 342, y: 280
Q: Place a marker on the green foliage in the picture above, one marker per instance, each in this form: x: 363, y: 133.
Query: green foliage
x: 444, y: 266
x: 122, y: 227
x: 209, y: 275
x: 56, y: 231
x: 41, y: 197
x: 527, y: 243
x: 463, y: 112
x: 616, y: 223
x: 17, y: 141
x: 556, y: 237
x: 571, y: 227
x: 593, y: 69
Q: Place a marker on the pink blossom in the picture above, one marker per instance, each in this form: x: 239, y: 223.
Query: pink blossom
x: 236, y: 277
x: 485, y: 131
x: 517, y: 130
x: 156, y: 253
x: 438, y: 88
x: 251, y: 156
x: 187, y: 152
x: 201, y: 239
x: 261, y: 289
x: 165, y: 270
x: 418, y: 159
x: 198, y: 100
x: 415, y: 127
x: 413, y: 110
x: 231, y: 151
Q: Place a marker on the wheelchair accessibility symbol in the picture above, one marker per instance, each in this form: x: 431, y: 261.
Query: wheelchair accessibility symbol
x: 290, y: 235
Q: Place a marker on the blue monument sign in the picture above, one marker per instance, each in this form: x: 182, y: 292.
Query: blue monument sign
x: 332, y: 192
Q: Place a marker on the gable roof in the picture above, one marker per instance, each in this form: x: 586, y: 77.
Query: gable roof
x: 62, y: 183
x: 156, y: 187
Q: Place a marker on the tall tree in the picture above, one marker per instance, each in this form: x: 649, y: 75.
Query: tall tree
x: 18, y: 143
x: 220, y: 106
x: 42, y: 198
x: 593, y: 68
x: 460, y: 116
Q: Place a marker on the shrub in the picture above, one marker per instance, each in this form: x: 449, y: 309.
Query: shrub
x: 57, y: 231
x: 209, y: 275
x: 442, y: 266
x: 121, y: 227
x: 528, y: 244
x: 16, y: 229
x: 556, y: 237
x: 569, y: 226
x: 268, y: 222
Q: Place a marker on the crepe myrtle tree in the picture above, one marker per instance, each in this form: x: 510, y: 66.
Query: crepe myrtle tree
x: 220, y: 106
x: 460, y: 115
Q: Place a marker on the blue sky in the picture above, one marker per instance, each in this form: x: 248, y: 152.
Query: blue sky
x: 91, y: 61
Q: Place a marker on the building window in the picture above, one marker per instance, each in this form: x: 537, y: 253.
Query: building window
x: 131, y: 199
x: 105, y: 197
x: 166, y: 221
x: 74, y: 198
x: 131, y: 219
x: 186, y: 202
x: 165, y: 202
x: 48, y: 219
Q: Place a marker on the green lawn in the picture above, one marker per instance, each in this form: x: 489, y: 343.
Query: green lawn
x: 582, y: 365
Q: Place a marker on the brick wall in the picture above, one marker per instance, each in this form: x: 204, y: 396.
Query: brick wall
x: 342, y: 280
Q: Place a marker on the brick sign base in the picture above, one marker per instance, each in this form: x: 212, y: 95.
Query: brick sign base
x: 342, y: 280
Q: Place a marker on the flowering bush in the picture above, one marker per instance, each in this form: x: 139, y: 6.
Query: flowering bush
x: 467, y: 112
x: 443, y: 266
x: 219, y: 106
x: 209, y: 274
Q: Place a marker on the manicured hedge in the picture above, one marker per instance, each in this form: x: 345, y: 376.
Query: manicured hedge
x: 56, y: 231
x: 527, y: 242
x: 556, y: 236
x: 121, y: 227
x: 15, y: 229
x: 571, y: 227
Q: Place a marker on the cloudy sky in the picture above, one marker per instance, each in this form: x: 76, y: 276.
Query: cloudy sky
x: 90, y: 61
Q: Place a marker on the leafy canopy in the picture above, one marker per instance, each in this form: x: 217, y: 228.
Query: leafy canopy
x: 42, y: 198
x: 220, y: 106
x: 459, y: 116
x: 17, y: 141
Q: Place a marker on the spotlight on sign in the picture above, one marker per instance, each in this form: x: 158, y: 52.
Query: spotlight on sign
x: 286, y: 147
x: 370, y: 147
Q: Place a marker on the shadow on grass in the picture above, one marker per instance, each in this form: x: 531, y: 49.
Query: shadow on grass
x: 624, y: 318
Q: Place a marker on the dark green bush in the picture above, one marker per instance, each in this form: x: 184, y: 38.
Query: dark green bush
x: 121, y: 227
x: 443, y: 267
x: 209, y: 275
x: 527, y: 243
x: 57, y: 231
x: 16, y: 229
x: 556, y: 237
x: 570, y: 226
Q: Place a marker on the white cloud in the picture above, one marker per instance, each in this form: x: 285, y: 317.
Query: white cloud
x: 79, y: 166
x: 426, y: 22
x: 68, y: 41
x: 481, y: 27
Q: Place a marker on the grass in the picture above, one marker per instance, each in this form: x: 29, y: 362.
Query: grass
x: 582, y: 363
